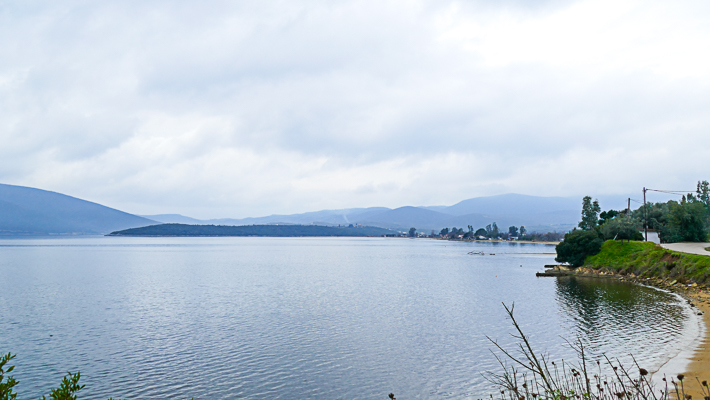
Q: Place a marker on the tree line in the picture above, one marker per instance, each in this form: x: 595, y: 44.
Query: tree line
x: 492, y: 231
x: 687, y: 220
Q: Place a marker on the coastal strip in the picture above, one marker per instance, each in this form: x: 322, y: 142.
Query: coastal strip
x: 695, y: 366
x: 699, y: 367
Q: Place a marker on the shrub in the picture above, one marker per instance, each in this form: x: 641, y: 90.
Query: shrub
x: 577, y: 245
x: 622, y: 228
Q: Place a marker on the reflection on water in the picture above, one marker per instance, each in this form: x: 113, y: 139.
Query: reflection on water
x: 619, y: 318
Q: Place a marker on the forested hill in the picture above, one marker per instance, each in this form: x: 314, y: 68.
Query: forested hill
x: 251, y: 230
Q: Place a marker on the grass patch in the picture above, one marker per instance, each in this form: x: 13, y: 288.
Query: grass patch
x: 647, y: 259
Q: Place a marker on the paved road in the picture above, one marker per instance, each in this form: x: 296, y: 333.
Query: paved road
x: 692, y: 248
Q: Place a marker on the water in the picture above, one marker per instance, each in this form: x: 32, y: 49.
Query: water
x: 303, y: 318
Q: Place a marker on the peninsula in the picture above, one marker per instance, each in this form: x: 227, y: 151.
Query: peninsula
x: 252, y: 230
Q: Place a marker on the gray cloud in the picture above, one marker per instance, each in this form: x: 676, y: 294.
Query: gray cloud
x: 232, y: 109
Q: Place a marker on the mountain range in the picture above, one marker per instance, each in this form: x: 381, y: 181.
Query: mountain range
x: 536, y: 213
x: 30, y: 211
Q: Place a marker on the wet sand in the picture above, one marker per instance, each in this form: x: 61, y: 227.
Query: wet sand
x: 699, y: 366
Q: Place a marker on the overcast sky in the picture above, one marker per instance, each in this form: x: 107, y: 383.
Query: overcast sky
x: 249, y: 108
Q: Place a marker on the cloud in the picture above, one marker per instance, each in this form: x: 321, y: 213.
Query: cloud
x: 233, y: 109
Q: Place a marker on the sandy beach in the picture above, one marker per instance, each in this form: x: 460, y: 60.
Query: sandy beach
x: 699, y: 366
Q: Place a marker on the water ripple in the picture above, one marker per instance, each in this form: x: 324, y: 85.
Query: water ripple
x: 306, y: 318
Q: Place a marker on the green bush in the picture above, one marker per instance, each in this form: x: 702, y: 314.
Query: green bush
x: 622, y: 228
x: 577, y: 245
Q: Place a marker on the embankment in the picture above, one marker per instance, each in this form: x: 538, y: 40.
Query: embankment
x: 648, y: 260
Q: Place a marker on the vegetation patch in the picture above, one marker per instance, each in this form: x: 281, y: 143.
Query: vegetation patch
x: 646, y: 259
x: 253, y: 230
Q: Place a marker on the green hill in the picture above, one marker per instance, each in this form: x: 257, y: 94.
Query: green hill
x: 649, y: 260
x: 252, y: 230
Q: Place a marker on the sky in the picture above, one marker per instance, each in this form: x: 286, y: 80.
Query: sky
x: 247, y: 108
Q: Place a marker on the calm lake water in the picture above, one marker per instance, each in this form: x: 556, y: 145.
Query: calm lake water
x: 303, y: 318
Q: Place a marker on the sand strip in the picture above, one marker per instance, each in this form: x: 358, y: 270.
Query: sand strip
x: 699, y: 366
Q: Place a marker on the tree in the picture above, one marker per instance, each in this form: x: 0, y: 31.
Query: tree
x: 412, y: 232
x: 606, y: 216
x: 513, y: 231
x: 494, y: 231
x: 685, y: 222
x: 444, y: 232
x: 703, y: 192
x: 481, y: 232
x: 590, y: 214
x: 577, y: 245
x: 522, y: 230
x: 622, y: 228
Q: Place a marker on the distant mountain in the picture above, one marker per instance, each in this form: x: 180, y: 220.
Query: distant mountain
x: 516, y: 204
x: 536, y: 213
x: 325, y: 217
x: 26, y: 211
x: 29, y: 211
x: 172, y: 219
x: 404, y: 218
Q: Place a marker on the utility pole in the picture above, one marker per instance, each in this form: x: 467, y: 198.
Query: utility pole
x: 628, y: 208
x: 645, y: 217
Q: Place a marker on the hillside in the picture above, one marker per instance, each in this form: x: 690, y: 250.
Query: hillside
x: 251, y: 230
x: 29, y: 211
x: 649, y: 260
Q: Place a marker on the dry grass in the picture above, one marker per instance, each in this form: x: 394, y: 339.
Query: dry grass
x: 529, y: 375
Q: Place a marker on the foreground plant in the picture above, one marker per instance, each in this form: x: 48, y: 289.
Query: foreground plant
x: 533, y: 377
x: 66, y: 391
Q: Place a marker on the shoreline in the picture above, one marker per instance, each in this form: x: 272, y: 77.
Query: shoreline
x: 693, y: 363
x: 494, y: 241
x: 698, y: 366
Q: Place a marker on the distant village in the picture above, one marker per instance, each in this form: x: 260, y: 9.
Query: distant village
x: 489, y: 233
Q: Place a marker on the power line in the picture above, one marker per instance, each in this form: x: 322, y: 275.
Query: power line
x: 676, y: 192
